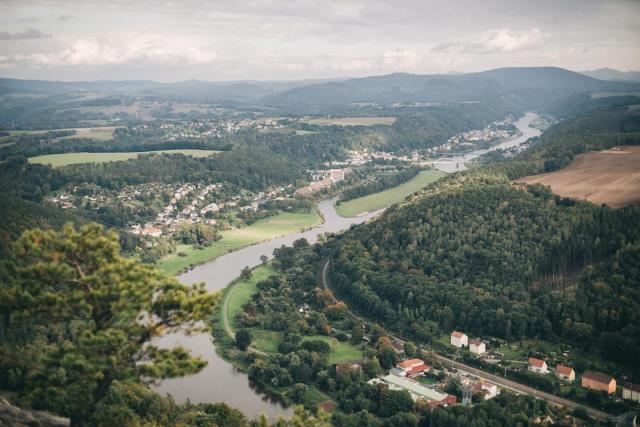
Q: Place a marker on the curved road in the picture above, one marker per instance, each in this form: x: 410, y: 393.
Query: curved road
x: 503, y: 382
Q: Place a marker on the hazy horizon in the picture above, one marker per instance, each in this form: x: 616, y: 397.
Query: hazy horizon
x: 299, y: 40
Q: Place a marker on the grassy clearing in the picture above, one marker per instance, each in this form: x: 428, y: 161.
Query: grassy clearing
x: 99, y: 133
x: 57, y: 160
x: 242, y: 291
x: 340, y: 351
x: 265, y: 340
x: 265, y: 229
x: 353, y: 121
x: 388, y: 197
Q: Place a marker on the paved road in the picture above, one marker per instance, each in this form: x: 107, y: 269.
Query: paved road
x: 503, y: 382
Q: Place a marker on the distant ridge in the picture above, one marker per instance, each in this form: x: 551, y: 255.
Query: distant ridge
x: 521, y: 88
x: 513, y: 89
x: 612, y: 75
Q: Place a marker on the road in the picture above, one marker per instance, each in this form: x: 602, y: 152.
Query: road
x: 503, y: 382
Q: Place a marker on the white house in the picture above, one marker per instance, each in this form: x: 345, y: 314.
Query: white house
x: 477, y: 347
x: 565, y: 373
x: 631, y: 391
x: 538, y: 365
x: 458, y: 339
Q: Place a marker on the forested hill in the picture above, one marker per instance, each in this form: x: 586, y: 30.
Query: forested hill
x: 518, y: 88
x: 477, y: 252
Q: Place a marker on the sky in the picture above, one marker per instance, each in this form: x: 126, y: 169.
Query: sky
x: 309, y: 39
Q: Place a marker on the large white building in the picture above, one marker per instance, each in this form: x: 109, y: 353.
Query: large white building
x: 477, y: 347
x: 458, y: 339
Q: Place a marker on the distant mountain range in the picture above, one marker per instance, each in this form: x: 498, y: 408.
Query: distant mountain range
x: 611, y: 74
x: 515, y: 89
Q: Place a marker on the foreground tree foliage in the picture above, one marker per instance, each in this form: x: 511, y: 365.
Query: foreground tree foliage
x: 77, y: 316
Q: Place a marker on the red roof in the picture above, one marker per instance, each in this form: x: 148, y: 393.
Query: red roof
x: 598, y: 377
x: 410, y: 363
x: 536, y: 362
x: 418, y: 369
x: 457, y: 334
x: 475, y: 342
x: 564, y: 370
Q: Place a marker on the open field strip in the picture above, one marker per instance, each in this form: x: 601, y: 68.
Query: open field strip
x: 57, y: 160
x: 264, y: 229
x: 352, y: 121
x: 373, y: 202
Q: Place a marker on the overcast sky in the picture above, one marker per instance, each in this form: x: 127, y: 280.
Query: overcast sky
x: 299, y: 39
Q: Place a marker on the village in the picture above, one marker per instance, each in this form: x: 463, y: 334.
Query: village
x: 174, y: 205
x: 589, y: 380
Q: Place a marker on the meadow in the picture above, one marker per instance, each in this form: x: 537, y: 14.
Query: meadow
x: 267, y: 341
x: 57, y: 160
x: 237, y: 238
x: 388, y: 197
x: 352, y: 121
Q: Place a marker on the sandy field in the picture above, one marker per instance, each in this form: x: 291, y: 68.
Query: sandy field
x: 611, y: 177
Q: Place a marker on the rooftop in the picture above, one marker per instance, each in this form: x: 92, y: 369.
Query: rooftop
x: 410, y: 363
x: 536, y: 362
x: 564, y: 370
x: 414, y: 388
x: 596, y: 376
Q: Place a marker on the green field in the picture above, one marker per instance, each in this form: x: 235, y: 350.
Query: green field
x: 57, y: 160
x: 352, y: 121
x: 264, y: 229
x: 241, y: 292
x: 386, y: 198
x: 340, y: 351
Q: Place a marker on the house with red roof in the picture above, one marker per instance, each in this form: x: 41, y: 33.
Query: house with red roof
x: 538, y: 365
x: 565, y: 373
x: 411, y: 368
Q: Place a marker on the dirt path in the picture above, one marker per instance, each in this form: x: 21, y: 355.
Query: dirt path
x: 225, y: 317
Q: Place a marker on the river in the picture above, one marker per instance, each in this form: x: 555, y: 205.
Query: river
x: 458, y: 162
x: 220, y: 381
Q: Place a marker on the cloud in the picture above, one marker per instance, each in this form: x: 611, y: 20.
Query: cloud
x: 28, y: 34
x: 401, y: 59
x: 502, y: 40
x: 94, y: 52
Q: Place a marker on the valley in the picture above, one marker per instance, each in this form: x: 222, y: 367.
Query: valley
x: 321, y: 245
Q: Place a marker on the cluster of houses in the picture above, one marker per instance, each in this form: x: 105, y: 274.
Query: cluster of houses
x: 322, y: 179
x: 496, y: 131
x: 460, y: 340
x: 402, y: 377
x: 405, y: 376
x: 589, y: 379
x: 206, y: 129
x: 171, y: 218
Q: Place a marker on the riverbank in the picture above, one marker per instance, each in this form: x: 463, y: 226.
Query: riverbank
x: 262, y: 230
x: 220, y: 381
x: 388, y: 197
